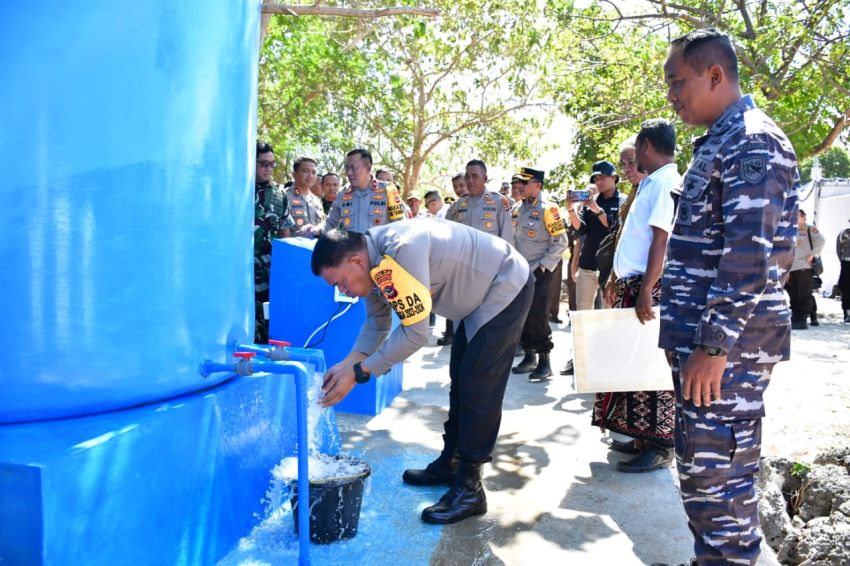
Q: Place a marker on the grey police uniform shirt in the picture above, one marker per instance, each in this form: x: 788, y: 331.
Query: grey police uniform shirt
x: 471, y: 277
x: 532, y: 238
x: 305, y: 208
x: 360, y: 209
x: 489, y: 212
x: 733, y: 242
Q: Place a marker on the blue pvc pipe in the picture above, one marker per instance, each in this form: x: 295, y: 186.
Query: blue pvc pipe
x: 301, y: 378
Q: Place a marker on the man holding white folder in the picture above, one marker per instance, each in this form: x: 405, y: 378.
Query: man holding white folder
x: 646, y: 416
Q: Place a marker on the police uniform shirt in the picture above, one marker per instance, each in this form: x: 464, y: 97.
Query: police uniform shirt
x: 453, y: 270
x: 541, y: 236
x: 489, y: 212
x: 733, y: 241
x: 361, y: 209
x: 305, y: 208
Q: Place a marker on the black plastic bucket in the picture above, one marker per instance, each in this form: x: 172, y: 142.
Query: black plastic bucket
x: 334, y: 505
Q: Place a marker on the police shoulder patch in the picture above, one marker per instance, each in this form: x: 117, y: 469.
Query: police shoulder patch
x: 752, y: 169
x: 409, y: 298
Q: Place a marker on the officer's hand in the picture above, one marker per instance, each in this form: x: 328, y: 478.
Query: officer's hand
x: 701, y: 377
x: 611, y: 292
x: 271, y: 221
x: 643, y: 307
x: 308, y: 230
x: 338, y: 383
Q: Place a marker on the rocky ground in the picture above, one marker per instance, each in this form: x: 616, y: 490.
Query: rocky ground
x: 805, y: 481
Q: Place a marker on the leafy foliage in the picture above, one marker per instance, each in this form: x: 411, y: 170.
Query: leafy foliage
x: 834, y: 162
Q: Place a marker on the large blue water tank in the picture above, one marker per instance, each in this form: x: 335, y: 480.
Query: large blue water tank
x: 125, y: 198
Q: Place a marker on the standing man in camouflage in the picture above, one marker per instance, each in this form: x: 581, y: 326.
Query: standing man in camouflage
x: 305, y: 207
x: 724, y: 319
x: 366, y: 202
x: 541, y: 238
x: 271, y: 220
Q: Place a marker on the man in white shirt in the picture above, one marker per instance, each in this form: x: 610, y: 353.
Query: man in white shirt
x: 646, y: 416
x: 434, y: 204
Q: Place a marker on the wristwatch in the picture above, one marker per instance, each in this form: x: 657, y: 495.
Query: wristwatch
x: 712, y: 351
x: 360, y: 376
x: 600, y: 213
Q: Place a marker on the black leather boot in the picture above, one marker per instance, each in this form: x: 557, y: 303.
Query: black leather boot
x: 543, y: 369
x: 464, y: 499
x: 441, y: 471
x: 528, y: 363
x: 813, y: 318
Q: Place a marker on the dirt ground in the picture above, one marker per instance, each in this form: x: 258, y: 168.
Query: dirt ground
x: 808, y: 400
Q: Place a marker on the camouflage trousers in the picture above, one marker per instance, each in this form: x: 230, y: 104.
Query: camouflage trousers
x: 717, y: 455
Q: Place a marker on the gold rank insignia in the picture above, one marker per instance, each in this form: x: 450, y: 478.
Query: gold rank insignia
x: 489, y: 215
x: 535, y: 213
x: 297, y: 201
x: 378, y: 211
x: 347, y: 197
x: 346, y: 211
x: 346, y: 221
x: 553, y: 221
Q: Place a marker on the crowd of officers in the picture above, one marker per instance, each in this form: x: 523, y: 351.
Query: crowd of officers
x: 311, y: 204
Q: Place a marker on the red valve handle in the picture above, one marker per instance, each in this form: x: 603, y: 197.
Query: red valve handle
x: 279, y: 343
x: 244, y: 355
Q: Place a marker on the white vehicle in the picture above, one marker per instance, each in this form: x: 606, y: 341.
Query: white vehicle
x: 827, y: 206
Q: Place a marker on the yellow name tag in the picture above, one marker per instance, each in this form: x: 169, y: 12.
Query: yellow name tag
x: 409, y: 298
x: 395, y: 210
x: 553, y: 221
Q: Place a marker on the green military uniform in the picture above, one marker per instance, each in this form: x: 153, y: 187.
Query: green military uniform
x: 271, y: 213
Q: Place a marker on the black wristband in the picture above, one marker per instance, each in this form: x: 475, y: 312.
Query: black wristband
x: 600, y: 213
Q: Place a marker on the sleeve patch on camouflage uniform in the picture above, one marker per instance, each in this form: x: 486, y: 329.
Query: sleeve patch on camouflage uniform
x: 409, y: 298
x: 554, y: 222
x: 753, y: 169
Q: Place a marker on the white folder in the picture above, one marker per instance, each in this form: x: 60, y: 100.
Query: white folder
x: 613, y: 351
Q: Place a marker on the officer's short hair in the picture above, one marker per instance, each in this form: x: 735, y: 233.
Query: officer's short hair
x: 433, y: 193
x: 301, y: 160
x: 363, y: 153
x: 629, y: 143
x: 702, y: 48
x: 456, y: 177
x: 329, y: 175
x: 264, y: 147
x: 333, y: 247
x: 661, y: 133
x: 477, y: 163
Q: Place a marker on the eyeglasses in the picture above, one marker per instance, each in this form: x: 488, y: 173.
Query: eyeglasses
x: 270, y: 164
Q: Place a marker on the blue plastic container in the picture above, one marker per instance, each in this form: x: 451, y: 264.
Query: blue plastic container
x: 300, y: 302
x: 126, y: 201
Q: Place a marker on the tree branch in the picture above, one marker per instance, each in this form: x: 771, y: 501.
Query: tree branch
x: 302, y: 10
x: 750, y: 33
x: 833, y: 134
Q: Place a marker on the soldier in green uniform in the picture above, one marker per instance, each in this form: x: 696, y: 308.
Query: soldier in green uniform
x: 271, y: 220
x: 541, y: 239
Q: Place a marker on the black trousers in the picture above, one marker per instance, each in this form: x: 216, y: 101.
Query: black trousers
x: 536, y: 334
x: 799, y: 287
x: 844, y: 285
x: 479, y: 371
x: 555, y: 300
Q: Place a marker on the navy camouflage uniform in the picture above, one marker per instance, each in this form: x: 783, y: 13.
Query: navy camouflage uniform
x: 542, y: 246
x: 489, y: 212
x: 728, y: 257
x: 305, y: 208
x: 271, y: 213
x: 359, y: 209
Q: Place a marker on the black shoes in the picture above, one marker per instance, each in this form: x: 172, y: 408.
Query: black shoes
x: 799, y: 325
x: 652, y: 458
x: 555, y: 319
x: 814, y: 319
x: 846, y: 317
x: 543, y: 369
x: 569, y: 370
x: 528, y: 363
x: 630, y: 447
x: 464, y: 499
x: 446, y: 340
x: 438, y: 472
